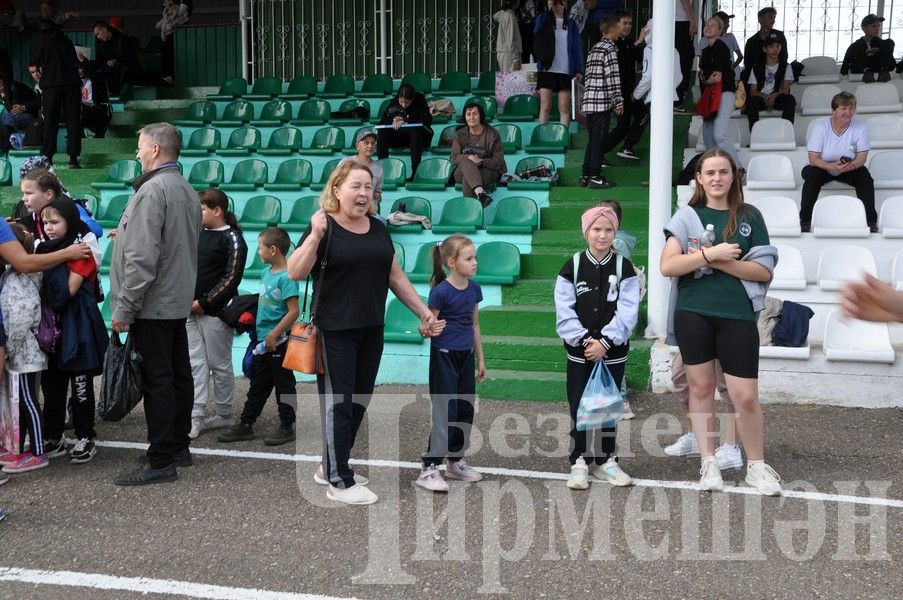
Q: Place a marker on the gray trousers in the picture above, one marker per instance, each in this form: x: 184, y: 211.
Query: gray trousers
x: 715, y: 131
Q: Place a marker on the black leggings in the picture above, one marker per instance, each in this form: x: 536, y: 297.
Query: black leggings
x: 734, y: 342
x: 597, y: 445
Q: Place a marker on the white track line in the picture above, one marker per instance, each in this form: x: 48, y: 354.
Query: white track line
x: 146, y: 585
x: 520, y: 474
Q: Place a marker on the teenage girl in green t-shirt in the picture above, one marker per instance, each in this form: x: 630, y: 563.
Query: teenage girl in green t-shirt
x: 714, y: 317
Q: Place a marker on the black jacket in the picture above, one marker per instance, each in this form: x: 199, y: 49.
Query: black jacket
x: 629, y: 56
x: 54, y: 54
x: 19, y: 93
x: 119, y: 48
x: 417, y: 112
x: 857, y: 58
x: 717, y: 57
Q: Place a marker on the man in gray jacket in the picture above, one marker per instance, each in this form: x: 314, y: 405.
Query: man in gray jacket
x: 151, y: 288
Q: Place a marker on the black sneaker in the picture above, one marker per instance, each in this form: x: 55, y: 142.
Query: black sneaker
x: 237, y: 433
x: 873, y: 227
x: 868, y: 77
x: 55, y: 448
x: 485, y: 199
x: 148, y: 475
x: 884, y: 76
x: 628, y: 153
x: 281, y: 435
x: 805, y: 227
x: 601, y: 183
x: 604, y: 163
x: 680, y: 109
x: 83, y: 451
x: 181, y: 458
x: 584, y: 181
x: 73, y: 164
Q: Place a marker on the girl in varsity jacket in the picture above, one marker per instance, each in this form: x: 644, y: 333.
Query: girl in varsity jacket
x: 597, y: 296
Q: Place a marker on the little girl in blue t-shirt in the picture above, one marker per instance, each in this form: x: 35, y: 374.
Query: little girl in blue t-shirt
x: 454, y: 299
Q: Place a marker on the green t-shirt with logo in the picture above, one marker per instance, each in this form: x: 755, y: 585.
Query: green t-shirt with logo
x: 720, y: 294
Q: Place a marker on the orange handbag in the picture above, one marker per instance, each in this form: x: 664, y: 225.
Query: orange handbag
x: 304, y: 351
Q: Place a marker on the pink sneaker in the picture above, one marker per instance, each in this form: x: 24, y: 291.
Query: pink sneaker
x: 28, y: 462
x: 8, y: 458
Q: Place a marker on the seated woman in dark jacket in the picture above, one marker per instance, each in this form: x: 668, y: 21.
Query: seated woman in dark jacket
x: 477, y: 154
x: 408, y: 107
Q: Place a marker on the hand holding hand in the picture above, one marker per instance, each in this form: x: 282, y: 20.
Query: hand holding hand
x: 397, y: 122
x: 594, y: 350
x: 119, y: 326
x: 431, y: 326
x: 474, y: 159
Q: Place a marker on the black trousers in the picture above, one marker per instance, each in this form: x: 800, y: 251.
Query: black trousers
x: 602, y: 445
x: 415, y: 138
x: 629, y: 126
x: 97, y: 118
x: 62, y: 388
x: 352, y: 361
x: 597, y: 128
x: 168, y: 386
x: 116, y: 77
x: 57, y: 103
x: 785, y: 103
x: 684, y: 45
x: 814, y: 178
x: 31, y: 420
x: 268, y: 374
x: 452, y: 391
x: 168, y: 56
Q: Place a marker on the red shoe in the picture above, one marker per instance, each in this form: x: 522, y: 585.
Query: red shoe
x: 8, y: 458
x: 29, y: 462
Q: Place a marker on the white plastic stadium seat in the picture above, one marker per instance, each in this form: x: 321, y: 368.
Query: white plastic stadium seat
x: 854, y: 340
x: 790, y: 272
x: 897, y: 275
x: 781, y: 215
x: 890, y: 220
x: 770, y: 172
x: 817, y: 99
x: 885, y: 169
x: 839, y: 265
x: 839, y: 216
x: 877, y: 98
x: 772, y: 134
x: 820, y: 69
x: 885, y: 131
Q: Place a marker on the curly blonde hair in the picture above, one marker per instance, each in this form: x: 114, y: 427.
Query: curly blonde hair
x: 328, y: 200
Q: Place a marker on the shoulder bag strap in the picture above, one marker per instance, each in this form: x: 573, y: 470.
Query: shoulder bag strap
x: 323, y: 261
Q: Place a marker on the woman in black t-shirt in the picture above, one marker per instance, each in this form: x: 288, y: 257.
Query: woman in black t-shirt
x: 361, y: 268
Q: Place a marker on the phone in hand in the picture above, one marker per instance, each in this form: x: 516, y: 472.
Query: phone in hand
x: 845, y: 159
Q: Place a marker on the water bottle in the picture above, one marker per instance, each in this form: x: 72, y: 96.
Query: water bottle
x: 708, y: 238
x: 261, y: 348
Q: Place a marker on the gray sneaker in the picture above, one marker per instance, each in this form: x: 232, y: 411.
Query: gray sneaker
x: 462, y: 471
x: 217, y: 422
x: 430, y: 479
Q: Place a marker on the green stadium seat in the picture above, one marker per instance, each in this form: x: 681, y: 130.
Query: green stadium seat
x: 490, y: 107
x: 265, y: 88
x: 262, y: 211
x: 512, y: 139
x: 423, y: 264
x: 285, y: 141
x: 375, y: 85
x: 348, y: 106
x: 106, y: 260
x: 328, y: 168
x: 522, y: 107
x: 206, y: 173
x: 326, y: 141
x: 273, y: 114
x: 112, y: 211
x: 415, y: 205
x: 303, y: 209
x: 532, y: 162
x: 91, y: 202
x: 291, y: 175
x: 337, y: 86
x: 448, y: 133
x: 254, y: 267
x: 382, y: 109
x: 120, y: 175
x: 395, y: 174
x: 6, y: 172
x: 202, y: 142
x: 197, y: 114
x: 300, y: 88
x: 549, y: 137
x: 454, y: 83
x: 432, y: 174
x: 399, y: 253
x: 236, y: 87
x: 421, y: 82
x: 242, y: 142
x: 460, y: 215
x: 401, y: 325
x: 498, y: 263
x: 106, y: 311
x: 515, y: 214
x: 486, y: 84
x: 247, y: 176
x: 235, y: 114
x: 312, y: 112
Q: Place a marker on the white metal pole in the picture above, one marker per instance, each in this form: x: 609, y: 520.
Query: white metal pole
x: 244, y: 17
x: 661, y: 127
x: 383, y: 37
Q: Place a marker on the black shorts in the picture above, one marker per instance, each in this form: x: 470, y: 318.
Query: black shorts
x: 553, y: 81
x: 735, y: 343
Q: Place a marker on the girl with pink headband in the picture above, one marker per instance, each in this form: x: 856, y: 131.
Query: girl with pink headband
x: 597, y: 297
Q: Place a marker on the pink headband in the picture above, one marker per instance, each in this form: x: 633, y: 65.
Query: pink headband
x: 591, y: 214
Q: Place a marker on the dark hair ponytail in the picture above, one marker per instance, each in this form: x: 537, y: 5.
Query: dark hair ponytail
x: 214, y: 198
x: 438, y: 272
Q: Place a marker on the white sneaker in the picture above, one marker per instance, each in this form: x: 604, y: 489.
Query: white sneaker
x: 728, y: 458
x: 578, y: 479
x: 321, y: 479
x: 710, y: 480
x: 627, y: 413
x: 763, y: 478
x: 197, y: 426
x: 217, y: 422
x: 613, y: 474
x: 356, y: 494
x: 462, y: 471
x: 430, y: 479
x: 685, y: 445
